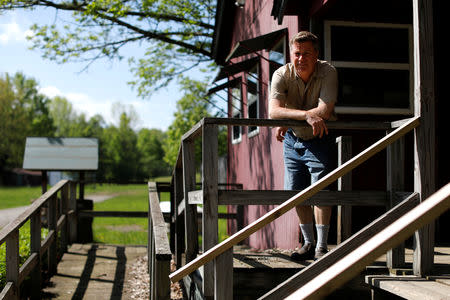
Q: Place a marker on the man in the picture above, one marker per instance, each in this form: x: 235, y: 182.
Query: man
x: 306, y: 89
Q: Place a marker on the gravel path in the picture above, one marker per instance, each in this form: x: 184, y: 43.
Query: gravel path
x: 9, y: 214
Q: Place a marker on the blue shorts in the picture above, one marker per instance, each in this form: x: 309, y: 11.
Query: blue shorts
x: 306, y: 161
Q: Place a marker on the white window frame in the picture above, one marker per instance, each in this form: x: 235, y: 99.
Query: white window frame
x: 371, y: 65
x: 236, y: 110
x: 256, y: 99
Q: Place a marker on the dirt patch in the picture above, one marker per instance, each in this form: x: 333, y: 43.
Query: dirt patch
x: 138, y: 287
x: 125, y: 228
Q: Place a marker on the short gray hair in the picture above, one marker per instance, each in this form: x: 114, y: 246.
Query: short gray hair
x: 305, y: 36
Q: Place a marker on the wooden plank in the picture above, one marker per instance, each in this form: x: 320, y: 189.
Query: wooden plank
x: 350, y: 265
x: 8, y: 292
x: 343, y: 249
x: 210, y: 203
x: 35, y: 247
x: 162, y: 247
x: 24, y: 217
x: 425, y: 135
x: 395, y: 181
x: 179, y: 220
x: 223, y: 273
x: 115, y: 214
x: 28, y: 266
x: 410, y: 287
x: 162, y: 282
x: 344, y: 212
x: 335, y: 125
x: 12, y: 261
x: 45, y: 244
x: 64, y: 209
x: 72, y: 206
x: 294, y: 201
x: 274, y: 197
x: 190, y: 212
x: 52, y: 226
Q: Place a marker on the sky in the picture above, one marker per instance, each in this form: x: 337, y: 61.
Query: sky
x: 91, y: 92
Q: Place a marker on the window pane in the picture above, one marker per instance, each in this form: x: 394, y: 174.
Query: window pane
x: 373, y: 88
x: 369, y: 44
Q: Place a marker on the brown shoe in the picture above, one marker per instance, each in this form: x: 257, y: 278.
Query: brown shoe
x: 306, y: 252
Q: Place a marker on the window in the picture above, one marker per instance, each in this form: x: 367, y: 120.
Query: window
x: 277, y: 57
x: 236, y: 111
x: 253, y: 98
x: 374, y: 64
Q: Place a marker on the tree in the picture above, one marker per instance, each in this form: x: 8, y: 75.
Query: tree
x: 23, y: 112
x: 191, y: 108
x: 176, y: 33
x: 149, y: 144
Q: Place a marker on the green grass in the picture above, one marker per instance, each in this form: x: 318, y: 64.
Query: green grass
x: 18, y: 196
x: 124, y: 231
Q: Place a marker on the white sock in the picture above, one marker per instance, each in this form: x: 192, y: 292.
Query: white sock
x: 308, y: 233
x: 322, y: 235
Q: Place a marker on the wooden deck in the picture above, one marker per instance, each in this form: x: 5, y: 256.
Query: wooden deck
x: 93, y: 271
x: 256, y: 272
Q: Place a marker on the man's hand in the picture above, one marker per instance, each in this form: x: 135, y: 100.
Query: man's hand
x: 281, y: 131
x: 317, y: 123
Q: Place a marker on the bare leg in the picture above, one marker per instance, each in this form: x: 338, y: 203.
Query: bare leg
x: 305, y: 214
x: 322, y: 214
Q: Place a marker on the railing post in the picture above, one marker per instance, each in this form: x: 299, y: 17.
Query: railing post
x: 395, y: 258
x: 35, y: 247
x: 52, y: 250
x: 344, y: 213
x: 12, y: 261
x: 425, y: 134
x: 72, y: 218
x: 223, y: 273
x: 190, y: 211
x: 179, y: 220
x: 64, y: 209
x: 210, y: 202
x: 151, y: 252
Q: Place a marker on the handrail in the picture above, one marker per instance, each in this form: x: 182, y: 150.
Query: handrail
x: 158, y: 250
x: 389, y: 237
x: 24, y: 216
x: 294, y: 201
x: 60, y: 217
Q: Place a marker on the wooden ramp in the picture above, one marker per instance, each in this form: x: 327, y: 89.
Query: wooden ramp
x: 93, y: 271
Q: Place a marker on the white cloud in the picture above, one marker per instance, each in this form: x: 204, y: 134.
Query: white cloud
x: 11, y: 32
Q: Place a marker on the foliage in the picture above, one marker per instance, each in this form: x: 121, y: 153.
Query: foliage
x: 176, y: 34
x: 191, y: 108
x: 23, y: 112
x: 149, y: 145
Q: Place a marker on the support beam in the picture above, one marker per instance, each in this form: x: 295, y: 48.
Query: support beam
x: 424, y: 136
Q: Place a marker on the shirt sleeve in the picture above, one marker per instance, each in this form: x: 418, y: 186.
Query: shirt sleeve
x: 278, y: 89
x: 329, y: 87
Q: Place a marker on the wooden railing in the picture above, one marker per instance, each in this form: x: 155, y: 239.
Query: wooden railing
x: 61, y: 219
x: 216, y: 258
x: 386, y: 238
x: 159, y: 254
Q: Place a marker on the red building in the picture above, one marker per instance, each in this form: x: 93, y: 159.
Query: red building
x: 371, y: 45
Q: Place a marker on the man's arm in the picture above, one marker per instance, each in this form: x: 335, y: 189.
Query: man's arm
x: 315, y: 117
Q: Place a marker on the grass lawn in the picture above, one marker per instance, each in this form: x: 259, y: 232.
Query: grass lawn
x: 18, y: 196
x: 125, y: 231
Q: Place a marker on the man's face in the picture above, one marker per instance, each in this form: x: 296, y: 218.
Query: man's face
x: 304, y: 58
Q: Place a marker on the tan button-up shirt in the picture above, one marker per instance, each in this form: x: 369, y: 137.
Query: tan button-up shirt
x: 288, y: 87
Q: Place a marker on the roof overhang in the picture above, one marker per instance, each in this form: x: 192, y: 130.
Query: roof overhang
x: 230, y: 83
x: 61, y: 154
x: 232, y: 69
x: 265, y: 41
